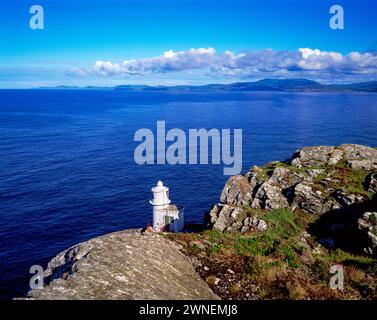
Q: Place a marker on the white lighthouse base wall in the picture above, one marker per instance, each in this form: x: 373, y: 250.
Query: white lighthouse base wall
x: 159, y: 219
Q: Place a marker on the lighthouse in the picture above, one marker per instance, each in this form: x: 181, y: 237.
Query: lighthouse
x: 166, y: 216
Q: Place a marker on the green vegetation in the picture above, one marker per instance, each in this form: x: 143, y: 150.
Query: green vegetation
x: 283, y: 224
x: 342, y: 177
x: 351, y: 180
x: 278, y: 263
x: 266, y: 170
x: 285, y: 262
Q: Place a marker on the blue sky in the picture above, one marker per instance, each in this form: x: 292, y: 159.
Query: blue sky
x: 97, y: 42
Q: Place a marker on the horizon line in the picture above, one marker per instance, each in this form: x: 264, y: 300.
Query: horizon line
x: 62, y: 86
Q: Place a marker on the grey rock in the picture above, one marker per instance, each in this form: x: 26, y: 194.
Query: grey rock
x: 262, y: 225
x: 346, y: 199
x: 335, y: 157
x: 372, y: 182
x: 314, y: 156
x: 306, y: 198
x: 245, y: 229
x: 253, y: 221
x: 237, y: 225
x: 237, y: 191
x: 226, y: 215
x: 368, y: 223
x: 123, y: 265
x: 362, y: 164
x: 254, y: 176
x: 310, y: 181
x: 317, y: 156
x: 313, y: 173
x: 246, y: 222
x: 269, y: 197
x: 356, y: 151
x: 283, y: 177
x: 214, y: 212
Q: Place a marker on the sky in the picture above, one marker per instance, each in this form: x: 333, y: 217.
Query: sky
x: 155, y: 42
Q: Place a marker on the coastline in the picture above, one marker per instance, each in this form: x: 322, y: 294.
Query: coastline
x: 260, y: 236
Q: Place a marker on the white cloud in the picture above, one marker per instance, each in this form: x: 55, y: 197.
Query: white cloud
x: 312, y: 63
x: 316, y: 59
x: 169, y: 61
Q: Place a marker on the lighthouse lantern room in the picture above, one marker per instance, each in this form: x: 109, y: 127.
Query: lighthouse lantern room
x: 166, y: 216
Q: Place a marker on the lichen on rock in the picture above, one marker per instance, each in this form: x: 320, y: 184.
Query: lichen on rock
x: 123, y: 265
x: 315, y: 180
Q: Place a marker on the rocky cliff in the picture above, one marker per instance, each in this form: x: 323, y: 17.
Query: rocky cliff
x: 338, y: 184
x: 123, y: 265
x: 275, y: 234
x: 280, y: 229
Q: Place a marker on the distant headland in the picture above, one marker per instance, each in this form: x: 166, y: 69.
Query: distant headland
x: 279, y: 85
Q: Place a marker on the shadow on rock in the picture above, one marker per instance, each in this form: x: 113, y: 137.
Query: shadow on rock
x: 339, y: 228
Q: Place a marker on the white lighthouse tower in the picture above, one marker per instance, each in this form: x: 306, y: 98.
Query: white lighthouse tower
x: 166, y: 216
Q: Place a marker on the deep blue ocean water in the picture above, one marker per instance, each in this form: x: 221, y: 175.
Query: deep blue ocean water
x: 67, y: 171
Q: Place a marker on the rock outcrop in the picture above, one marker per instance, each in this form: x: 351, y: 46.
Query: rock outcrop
x: 319, y: 181
x: 315, y: 180
x: 368, y: 224
x: 123, y: 265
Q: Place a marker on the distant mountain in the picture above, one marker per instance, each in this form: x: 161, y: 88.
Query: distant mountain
x: 61, y: 87
x: 141, y: 87
x: 289, y: 85
x: 370, y: 86
x: 286, y: 84
x: 297, y: 85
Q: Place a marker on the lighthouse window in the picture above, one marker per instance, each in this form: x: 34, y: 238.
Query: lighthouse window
x: 168, y: 219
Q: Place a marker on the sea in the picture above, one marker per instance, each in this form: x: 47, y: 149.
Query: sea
x: 67, y: 167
